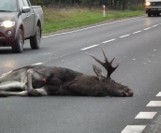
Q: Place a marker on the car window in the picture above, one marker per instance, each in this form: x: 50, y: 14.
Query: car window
x: 8, y: 5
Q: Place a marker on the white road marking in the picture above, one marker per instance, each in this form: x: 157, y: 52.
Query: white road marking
x: 48, y: 53
x: 155, y: 25
x: 146, y: 115
x: 90, y: 47
x: 159, y: 94
x: 123, y: 36
x: 154, y: 104
x: 38, y: 63
x: 147, y: 28
x: 141, y: 116
x: 154, y: 50
x: 136, y: 32
x: 109, y: 40
x: 133, y: 129
x: 113, y: 39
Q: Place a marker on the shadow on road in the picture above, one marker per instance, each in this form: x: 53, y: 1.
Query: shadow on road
x: 9, y: 51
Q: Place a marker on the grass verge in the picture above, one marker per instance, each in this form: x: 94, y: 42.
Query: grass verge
x: 60, y: 19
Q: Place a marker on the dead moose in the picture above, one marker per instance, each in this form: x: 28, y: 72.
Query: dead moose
x: 47, y: 80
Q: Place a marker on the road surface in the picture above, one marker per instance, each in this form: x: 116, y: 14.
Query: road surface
x: 136, y: 44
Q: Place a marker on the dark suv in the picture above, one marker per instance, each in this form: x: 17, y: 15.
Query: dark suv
x: 19, y: 21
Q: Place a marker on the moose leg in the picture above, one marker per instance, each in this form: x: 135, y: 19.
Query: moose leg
x: 30, y: 90
x: 8, y: 88
x: 8, y: 93
x: 29, y: 80
x: 12, y: 86
x: 39, y: 92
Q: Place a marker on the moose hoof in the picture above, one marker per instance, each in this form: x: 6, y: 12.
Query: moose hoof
x: 34, y: 93
x: 130, y: 93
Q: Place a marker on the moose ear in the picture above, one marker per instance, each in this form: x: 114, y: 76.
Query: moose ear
x: 98, y: 72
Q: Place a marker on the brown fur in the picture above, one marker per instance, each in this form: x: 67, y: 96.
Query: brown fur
x: 47, y: 80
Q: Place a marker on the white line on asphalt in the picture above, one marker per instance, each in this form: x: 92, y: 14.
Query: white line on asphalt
x: 47, y: 53
x: 90, y: 47
x: 159, y: 94
x: 154, y: 104
x: 155, y: 25
x: 109, y: 40
x: 136, y: 32
x: 123, y: 36
x: 38, y: 63
x: 147, y: 28
x: 146, y: 115
x: 133, y: 129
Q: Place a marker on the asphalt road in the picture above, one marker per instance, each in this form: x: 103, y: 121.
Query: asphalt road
x: 136, y: 44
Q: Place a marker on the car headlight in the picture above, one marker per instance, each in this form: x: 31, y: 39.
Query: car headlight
x: 147, y: 4
x: 7, y: 24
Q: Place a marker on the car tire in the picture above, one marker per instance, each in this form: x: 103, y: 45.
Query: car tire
x: 149, y: 14
x: 17, y: 46
x: 36, y: 39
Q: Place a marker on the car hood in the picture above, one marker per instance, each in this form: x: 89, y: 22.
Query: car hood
x: 8, y: 16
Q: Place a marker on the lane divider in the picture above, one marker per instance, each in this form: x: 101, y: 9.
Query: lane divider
x: 143, y: 116
x: 136, y: 32
x: 155, y: 25
x: 147, y: 28
x: 38, y: 63
x: 154, y: 104
x: 92, y: 46
x: 109, y: 40
x: 159, y: 94
x: 122, y: 36
x: 134, y: 129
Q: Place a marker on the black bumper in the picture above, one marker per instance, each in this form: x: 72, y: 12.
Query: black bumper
x: 153, y: 10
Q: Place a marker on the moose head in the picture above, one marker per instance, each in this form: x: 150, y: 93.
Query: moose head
x: 110, y: 87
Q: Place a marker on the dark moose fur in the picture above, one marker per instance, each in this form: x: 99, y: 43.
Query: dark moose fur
x: 47, y: 80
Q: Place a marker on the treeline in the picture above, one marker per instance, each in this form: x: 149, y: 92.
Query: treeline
x: 114, y: 4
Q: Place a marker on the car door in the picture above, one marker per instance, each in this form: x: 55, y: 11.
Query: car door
x: 28, y: 19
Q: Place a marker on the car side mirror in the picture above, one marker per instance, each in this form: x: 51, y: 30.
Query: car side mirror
x: 26, y: 9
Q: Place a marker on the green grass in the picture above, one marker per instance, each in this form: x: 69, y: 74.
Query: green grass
x: 60, y: 19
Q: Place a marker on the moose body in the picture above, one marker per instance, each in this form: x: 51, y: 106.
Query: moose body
x: 51, y: 80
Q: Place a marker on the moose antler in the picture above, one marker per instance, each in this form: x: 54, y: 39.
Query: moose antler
x: 106, y: 64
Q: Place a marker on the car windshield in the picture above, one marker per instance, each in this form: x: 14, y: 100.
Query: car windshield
x: 8, y: 5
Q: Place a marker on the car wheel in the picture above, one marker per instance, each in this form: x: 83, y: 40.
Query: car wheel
x: 149, y: 14
x: 17, y: 46
x: 158, y: 14
x: 36, y: 39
